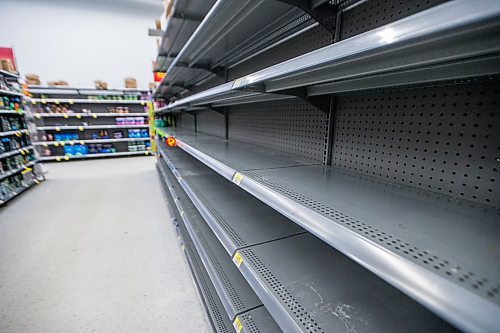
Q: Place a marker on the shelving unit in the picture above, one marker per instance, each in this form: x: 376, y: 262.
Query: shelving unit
x: 19, y: 167
x: 80, y: 123
x: 351, y: 160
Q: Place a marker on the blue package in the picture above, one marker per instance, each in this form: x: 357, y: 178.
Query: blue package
x: 80, y: 150
x: 69, y: 150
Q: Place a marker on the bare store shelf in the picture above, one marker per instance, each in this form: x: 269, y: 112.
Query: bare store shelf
x: 236, y: 296
x: 455, y: 40
x: 304, y: 284
x: 392, y: 230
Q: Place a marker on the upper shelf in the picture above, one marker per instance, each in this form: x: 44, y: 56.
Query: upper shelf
x: 8, y: 74
x: 221, y: 96
x: 449, y: 41
x: 10, y: 93
x: 454, y: 40
x: 185, y: 17
x: 233, y: 31
x: 392, y: 230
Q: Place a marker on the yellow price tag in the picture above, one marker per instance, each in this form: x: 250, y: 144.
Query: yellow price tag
x: 22, y: 152
x: 44, y: 101
x: 146, y: 152
x: 65, y: 116
x: 38, y: 116
x: 80, y: 128
x: 142, y: 103
x: 45, y: 145
x: 71, y: 101
x: 94, y: 116
x: 66, y: 158
x: 58, y: 129
x: 62, y: 143
x: 26, y: 170
x: 238, y: 326
x: 237, y: 259
x: 58, y: 159
x: 56, y: 144
x: 37, y: 181
x: 237, y: 178
x: 56, y: 101
x: 81, y: 142
x: 79, y: 116
x: 33, y: 102
x: 72, y: 142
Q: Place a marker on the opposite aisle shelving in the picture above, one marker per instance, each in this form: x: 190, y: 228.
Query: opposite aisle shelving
x: 84, y: 127
x: 72, y: 142
x: 80, y: 123
x: 86, y: 101
x: 92, y: 115
x: 96, y: 155
x: 396, y: 233
x: 19, y: 168
x: 22, y: 151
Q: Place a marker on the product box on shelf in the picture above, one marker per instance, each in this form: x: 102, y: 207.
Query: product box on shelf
x: 130, y: 82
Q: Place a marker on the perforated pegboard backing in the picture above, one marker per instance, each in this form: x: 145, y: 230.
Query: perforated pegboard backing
x: 444, y: 139
x: 211, y: 122
x: 375, y: 13
x: 293, y: 127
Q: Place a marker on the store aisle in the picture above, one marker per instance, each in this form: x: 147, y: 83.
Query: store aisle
x: 92, y: 249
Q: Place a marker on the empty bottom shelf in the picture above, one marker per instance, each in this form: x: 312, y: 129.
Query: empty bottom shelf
x: 305, y: 284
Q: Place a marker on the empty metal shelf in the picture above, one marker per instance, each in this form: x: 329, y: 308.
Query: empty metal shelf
x: 237, y: 218
x: 461, y: 36
x: 234, y: 292
x: 227, y: 158
x: 454, y: 40
x: 309, y: 287
x: 212, y: 303
x: 305, y: 285
x: 439, y: 250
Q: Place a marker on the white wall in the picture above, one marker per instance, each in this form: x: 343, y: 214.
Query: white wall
x: 80, y: 41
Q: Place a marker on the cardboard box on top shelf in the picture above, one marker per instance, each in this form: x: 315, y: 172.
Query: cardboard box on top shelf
x: 32, y: 80
x: 32, y: 77
x: 130, y: 82
x: 158, y: 24
x: 151, y: 85
x: 100, y: 85
x: 7, y: 65
x: 51, y: 83
x: 61, y: 83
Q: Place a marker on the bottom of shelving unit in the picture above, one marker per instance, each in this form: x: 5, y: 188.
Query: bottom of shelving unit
x: 211, y: 302
x: 18, y: 191
x: 83, y: 157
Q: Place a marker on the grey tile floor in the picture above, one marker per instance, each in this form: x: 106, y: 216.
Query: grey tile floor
x: 92, y: 250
